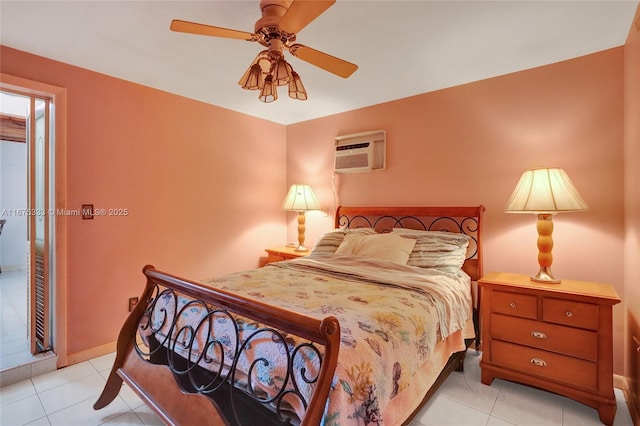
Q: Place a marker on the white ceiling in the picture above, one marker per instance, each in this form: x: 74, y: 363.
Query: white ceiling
x: 403, y: 48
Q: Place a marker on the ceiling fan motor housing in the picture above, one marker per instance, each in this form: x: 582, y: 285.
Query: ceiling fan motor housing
x: 271, y: 35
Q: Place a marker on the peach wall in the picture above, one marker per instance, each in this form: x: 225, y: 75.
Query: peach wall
x: 632, y: 208
x: 469, y: 144
x: 464, y: 145
x: 199, y: 183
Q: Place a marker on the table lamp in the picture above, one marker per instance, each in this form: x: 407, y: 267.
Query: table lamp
x: 545, y: 191
x: 300, y: 198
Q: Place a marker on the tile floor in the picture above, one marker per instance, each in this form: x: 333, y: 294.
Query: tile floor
x: 16, y: 361
x: 65, y: 397
x: 13, y: 310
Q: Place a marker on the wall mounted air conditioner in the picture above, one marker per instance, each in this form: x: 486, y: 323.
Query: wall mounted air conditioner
x: 361, y: 152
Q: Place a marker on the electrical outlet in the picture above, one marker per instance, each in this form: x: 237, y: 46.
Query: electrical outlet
x: 133, y: 301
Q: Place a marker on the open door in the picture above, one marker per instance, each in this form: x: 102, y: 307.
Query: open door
x: 41, y: 216
x: 47, y: 233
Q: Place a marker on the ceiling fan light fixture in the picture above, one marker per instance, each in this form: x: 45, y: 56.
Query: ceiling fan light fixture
x: 269, y: 92
x: 282, y: 72
x: 296, y: 89
x: 265, y: 62
x: 252, y: 78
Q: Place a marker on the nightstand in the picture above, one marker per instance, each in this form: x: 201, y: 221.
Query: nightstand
x: 557, y: 337
x: 284, y: 253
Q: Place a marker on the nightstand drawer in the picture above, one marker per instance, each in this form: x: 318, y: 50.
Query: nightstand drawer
x: 276, y: 257
x: 566, y: 312
x: 537, y: 362
x: 556, y: 338
x: 519, y: 305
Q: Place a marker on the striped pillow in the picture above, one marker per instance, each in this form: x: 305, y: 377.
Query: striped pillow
x: 436, y: 249
x: 329, y: 242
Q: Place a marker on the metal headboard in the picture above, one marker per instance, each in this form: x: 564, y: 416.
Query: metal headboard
x: 465, y: 220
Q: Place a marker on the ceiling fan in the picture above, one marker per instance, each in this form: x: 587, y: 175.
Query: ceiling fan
x: 276, y: 30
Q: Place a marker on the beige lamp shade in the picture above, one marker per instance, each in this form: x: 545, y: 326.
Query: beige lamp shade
x: 545, y: 191
x: 300, y: 198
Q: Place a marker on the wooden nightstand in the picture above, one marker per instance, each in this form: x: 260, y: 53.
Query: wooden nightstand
x: 284, y: 253
x: 556, y: 337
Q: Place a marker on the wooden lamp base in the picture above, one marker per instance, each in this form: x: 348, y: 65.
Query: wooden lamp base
x: 545, y: 245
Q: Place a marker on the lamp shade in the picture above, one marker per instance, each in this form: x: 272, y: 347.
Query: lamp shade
x: 296, y: 88
x: 269, y: 92
x: 300, y: 198
x: 252, y: 78
x: 545, y: 190
x: 282, y: 72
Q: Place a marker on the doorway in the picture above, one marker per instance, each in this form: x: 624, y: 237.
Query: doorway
x: 26, y: 241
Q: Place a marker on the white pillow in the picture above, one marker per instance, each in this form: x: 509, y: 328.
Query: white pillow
x: 383, y: 246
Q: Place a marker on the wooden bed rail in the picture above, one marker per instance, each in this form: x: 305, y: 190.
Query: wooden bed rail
x: 163, y: 387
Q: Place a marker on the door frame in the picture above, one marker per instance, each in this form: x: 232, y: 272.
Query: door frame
x: 58, y: 96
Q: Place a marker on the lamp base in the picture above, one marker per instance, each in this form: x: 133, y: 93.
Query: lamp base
x: 545, y: 276
x: 545, y: 244
x: 301, y: 228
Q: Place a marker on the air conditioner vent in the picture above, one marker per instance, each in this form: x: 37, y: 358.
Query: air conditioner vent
x: 361, y: 152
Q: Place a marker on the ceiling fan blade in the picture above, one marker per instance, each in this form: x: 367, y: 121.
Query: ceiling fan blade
x: 208, y: 30
x: 334, y: 65
x: 300, y: 13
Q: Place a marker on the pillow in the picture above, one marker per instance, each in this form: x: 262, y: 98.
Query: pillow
x: 383, y: 246
x: 436, y: 249
x: 329, y: 242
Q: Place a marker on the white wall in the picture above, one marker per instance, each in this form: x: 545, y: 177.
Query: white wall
x: 13, y: 202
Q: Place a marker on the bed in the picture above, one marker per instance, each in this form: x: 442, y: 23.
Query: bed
x: 361, y: 331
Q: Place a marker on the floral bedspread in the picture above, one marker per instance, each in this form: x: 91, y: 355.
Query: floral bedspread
x: 391, y: 317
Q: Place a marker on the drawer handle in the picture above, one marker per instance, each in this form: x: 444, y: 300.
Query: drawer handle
x: 512, y: 304
x: 539, y: 362
x: 569, y: 314
x: 538, y: 335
